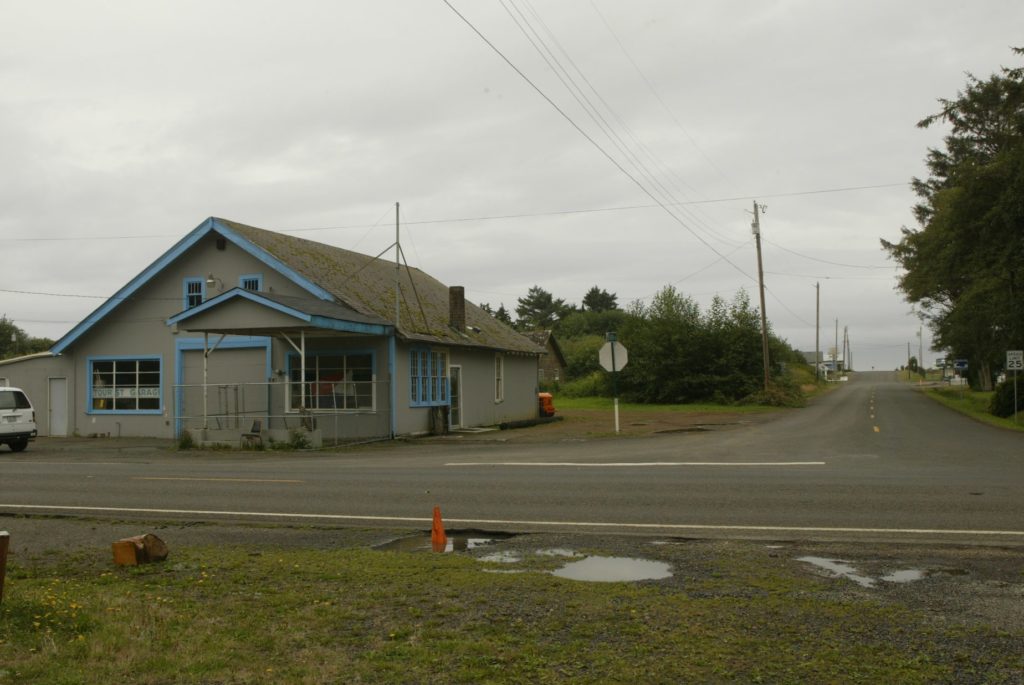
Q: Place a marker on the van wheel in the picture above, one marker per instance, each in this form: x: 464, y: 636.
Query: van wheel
x: 19, y: 445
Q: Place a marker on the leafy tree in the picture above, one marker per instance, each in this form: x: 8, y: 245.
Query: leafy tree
x: 15, y: 342
x: 583, y: 323
x: 597, y: 300
x: 581, y: 355
x: 964, y: 265
x: 539, y: 310
x: 679, y: 354
x: 665, y: 350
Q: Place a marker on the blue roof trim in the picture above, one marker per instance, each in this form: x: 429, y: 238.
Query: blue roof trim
x: 230, y: 295
x: 349, y: 326
x: 133, y: 285
x: 312, y: 319
x: 273, y: 262
x: 179, y: 248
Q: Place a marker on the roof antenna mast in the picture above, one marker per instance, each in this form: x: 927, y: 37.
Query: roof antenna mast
x: 398, y: 251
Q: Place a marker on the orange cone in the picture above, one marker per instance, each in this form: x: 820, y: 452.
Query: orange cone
x: 438, y: 540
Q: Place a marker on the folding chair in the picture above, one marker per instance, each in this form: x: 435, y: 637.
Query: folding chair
x: 253, y: 436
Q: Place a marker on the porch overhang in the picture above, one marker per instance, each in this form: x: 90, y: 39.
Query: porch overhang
x: 245, y: 312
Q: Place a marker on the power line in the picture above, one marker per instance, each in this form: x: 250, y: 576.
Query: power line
x: 466, y: 219
x: 593, y: 111
x: 656, y: 94
x: 593, y: 142
x: 825, y: 261
x: 828, y: 278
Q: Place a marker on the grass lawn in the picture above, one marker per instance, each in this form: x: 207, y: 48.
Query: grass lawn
x: 232, y: 615
x: 974, y: 404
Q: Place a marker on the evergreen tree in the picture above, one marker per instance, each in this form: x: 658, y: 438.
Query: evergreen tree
x: 597, y: 300
x: 539, y: 310
x: 502, y: 315
x: 964, y: 265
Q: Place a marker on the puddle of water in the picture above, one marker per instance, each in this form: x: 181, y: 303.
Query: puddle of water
x: 506, y: 557
x: 557, y: 552
x: 907, y: 576
x: 614, y: 569
x: 840, y: 568
x: 421, y: 543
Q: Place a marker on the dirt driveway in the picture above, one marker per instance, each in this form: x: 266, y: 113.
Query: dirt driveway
x: 587, y: 424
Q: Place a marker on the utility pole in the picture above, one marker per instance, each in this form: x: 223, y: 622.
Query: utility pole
x: 846, y: 348
x: 756, y: 228
x: 817, y: 331
x: 835, y: 351
x: 920, y: 353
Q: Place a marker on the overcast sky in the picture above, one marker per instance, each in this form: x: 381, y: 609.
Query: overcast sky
x: 123, y: 125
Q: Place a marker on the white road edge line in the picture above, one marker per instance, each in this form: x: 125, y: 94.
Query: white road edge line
x: 499, y: 522
x: 635, y: 463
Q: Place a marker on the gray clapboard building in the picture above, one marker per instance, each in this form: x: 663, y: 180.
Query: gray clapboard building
x: 236, y: 329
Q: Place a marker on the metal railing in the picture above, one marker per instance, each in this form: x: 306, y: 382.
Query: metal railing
x: 335, y: 414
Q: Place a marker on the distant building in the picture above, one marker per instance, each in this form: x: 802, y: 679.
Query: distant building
x: 551, y: 367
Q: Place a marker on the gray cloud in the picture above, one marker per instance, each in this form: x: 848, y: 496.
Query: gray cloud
x: 127, y: 119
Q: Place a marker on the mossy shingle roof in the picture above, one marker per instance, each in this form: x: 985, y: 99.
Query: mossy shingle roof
x: 367, y: 285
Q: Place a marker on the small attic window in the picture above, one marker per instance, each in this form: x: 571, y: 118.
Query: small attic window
x: 253, y: 282
x: 222, y: 243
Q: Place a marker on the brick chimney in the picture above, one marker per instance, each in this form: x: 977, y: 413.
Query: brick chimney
x: 457, y: 308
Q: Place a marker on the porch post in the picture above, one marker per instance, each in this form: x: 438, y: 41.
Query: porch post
x: 393, y: 389
x: 206, y: 357
x: 302, y: 365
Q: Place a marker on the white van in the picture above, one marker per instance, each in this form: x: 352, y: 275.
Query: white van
x: 17, y: 419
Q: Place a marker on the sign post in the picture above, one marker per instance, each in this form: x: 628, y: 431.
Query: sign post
x: 613, y: 356
x: 1015, y: 361
x: 958, y: 366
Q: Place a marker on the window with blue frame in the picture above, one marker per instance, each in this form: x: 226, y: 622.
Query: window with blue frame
x: 334, y: 380
x: 253, y: 282
x: 129, y: 385
x: 428, y: 377
x: 195, y: 292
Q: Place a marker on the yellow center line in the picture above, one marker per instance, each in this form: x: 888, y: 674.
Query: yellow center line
x: 228, y: 480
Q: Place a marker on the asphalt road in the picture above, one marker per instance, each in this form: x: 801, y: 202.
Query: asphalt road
x: 874, y: 460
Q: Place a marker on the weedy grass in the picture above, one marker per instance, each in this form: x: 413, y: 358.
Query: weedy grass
x: 974, y: 404
x: 227, y: 615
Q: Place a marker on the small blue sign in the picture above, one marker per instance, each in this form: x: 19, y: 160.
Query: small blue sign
x: 960, y: 364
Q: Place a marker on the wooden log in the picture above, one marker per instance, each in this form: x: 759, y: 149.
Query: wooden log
x: 140, y: 549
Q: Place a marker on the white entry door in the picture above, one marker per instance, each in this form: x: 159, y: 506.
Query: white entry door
x: 58, y: 408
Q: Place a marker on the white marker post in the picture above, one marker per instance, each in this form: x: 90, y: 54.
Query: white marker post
x: 613, y: 356
x: 1015, y: 361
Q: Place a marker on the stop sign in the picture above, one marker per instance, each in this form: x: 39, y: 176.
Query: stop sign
x: 605, y: 356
